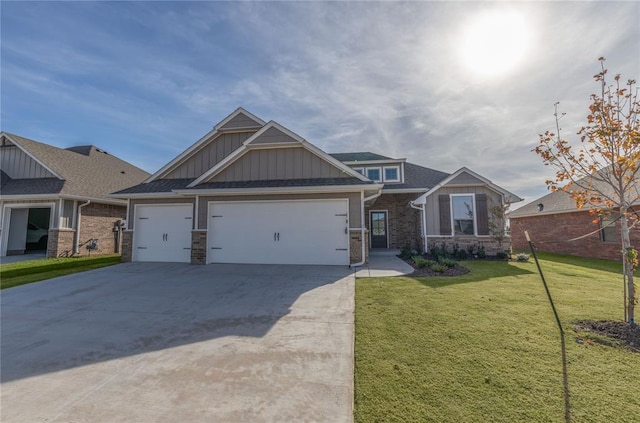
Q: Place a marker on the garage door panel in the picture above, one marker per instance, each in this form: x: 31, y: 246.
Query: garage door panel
x: 163, y: 233
x: 294, y: 232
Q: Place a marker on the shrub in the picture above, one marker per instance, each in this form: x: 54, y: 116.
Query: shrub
x: 461, y: 255
x: 502, y: 255
x: 481, y: 252
x: 522, y: 257
x: 439, y: 268
x: 420, y: 261
x: 405, y: 253
x: 447, y: 262
x: 471, y: 249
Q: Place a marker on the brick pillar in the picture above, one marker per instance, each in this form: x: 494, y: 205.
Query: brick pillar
x: 60, y: 242
x: 355, y: 246
x: 199, y: 247
x: 127, y: 246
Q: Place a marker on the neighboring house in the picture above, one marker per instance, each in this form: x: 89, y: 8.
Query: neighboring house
x: 255, y: 192
x: 554, y: 219
x: 54, y: 199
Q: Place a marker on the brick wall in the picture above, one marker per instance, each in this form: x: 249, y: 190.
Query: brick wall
x: 198, y: 247
x: 97, y: 223
x: 127, y: 246
x: 355, y: 246
x: 491, y: 246
x: 60, y: 243
x: 565, y: 226
x: 404, y: 221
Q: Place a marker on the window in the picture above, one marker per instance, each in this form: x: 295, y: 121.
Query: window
x: 373, y: 173
x: 392, y: 174
x: 608, y: 229
x: 463, y: 214
x: 360, y: 170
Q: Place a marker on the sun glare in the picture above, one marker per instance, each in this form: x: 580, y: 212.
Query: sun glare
x: 495, y: 43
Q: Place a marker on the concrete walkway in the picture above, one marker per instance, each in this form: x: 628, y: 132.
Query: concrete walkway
x: 383, y: 263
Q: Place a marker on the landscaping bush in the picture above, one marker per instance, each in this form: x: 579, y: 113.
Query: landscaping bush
x: 522, y: 257
x: 447, y: 262
x: 420, y: 261
x: 439, y: 268
x: 502, y: 255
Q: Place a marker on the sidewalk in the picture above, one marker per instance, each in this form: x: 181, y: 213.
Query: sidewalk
x: 383, y: 263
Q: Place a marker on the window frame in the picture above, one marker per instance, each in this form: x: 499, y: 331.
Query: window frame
x: 602, y: 223
x: 360, y: 170
x: 379, y: 169
x: 475, y: 214
x: 384, y: 174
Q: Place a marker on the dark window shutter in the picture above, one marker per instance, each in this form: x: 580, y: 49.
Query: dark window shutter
x: 483, y: 214
x: 445, y: 214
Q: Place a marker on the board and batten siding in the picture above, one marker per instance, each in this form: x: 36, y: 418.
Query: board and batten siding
x: 433, y: 205
x: 66, y: 215
x: 19, y: 165
x: 241, y: 121
x: 209, y: 155
x: 353, y: 197
x: 278, y: 163
x: 465, y: 179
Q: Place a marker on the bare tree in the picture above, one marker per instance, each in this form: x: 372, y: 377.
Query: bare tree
x: 602, y: 172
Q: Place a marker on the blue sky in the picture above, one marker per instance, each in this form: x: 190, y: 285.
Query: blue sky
x: 145, y: 80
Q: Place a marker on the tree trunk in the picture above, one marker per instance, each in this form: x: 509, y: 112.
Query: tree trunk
x: 628, y: 265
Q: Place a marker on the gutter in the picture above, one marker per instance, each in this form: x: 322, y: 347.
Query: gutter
x: 364, y: 200
x: 76, y: 243
x: 424, y: 223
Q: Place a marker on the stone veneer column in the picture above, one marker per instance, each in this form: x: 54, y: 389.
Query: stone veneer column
x: 127, y: 246
x: 355, y: 246
x: 60, y: 242
x: 199, y: 247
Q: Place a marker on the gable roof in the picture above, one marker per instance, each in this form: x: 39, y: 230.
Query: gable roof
x: 364, y: 156
x: 561, y: 202
x: 239, y: 120
x: 83, y: 172
x: 512, y: 198
x: 287, y: 138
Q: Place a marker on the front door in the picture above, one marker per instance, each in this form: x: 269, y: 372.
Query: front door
x: 379, y: 229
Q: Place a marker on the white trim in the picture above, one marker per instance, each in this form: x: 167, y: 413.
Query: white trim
x: 359, y: 168
x: 386, y: 221
x: 235, y: 113
x: 384, y: 174
x: 475, y: 214
x: 195, y: 147
x: 403, y: 190
x: 374, y: 162
x: 379, y: 169
x: 142, y: 195
x: 17, y: 144
x: 423, y: 198
x: 56, y: 197
x: 277, y: 190
x: 6, y: 220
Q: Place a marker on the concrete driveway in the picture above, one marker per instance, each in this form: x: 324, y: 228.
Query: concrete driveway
x: 150, y: 342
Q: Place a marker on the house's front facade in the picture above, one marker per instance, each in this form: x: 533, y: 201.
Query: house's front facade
x: 54, y: 199
x: 255, y: 192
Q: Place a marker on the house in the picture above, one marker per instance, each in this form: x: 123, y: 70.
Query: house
x: 251, y: 191
x: 557, y: 225
x: 54, y: 199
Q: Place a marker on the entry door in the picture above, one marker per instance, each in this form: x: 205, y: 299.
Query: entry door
x: 163, y: 233
x: 379, y: 237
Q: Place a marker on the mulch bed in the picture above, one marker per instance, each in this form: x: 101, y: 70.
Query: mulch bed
x: 425, y: 272
x: 621, y: 332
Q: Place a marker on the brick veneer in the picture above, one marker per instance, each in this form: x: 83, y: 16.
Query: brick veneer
x: 199, y: 247
x: 355, y: 246
x: 60, y: 242
x: 97, y: 223
x: 565, y: 226
x: 491, y: 246
x: 127, y: 245
x: 403, y: 220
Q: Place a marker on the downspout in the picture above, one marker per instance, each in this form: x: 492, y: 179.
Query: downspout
x: 364, y: 252
x: 76, y: 244
x: 424, y: 223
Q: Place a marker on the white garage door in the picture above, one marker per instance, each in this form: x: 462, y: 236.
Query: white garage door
x: 163, y: 233
x: 279, y: 232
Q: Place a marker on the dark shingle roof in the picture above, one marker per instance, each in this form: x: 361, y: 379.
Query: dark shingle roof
x: 4, y: 178
x: 359, y: 157
x: 418, y: 177
x: 86, y: 171
x: 157, y: 186
x: 274, y: 183
x: 32, y: 186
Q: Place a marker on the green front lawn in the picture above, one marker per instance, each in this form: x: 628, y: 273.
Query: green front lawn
x: 14, y: 274
x: 484, y: 347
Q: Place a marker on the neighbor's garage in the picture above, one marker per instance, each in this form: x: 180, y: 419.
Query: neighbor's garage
x: 163, y: 233
x: 279, y: 232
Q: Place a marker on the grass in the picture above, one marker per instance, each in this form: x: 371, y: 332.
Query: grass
x: 483, y: 347
x: 14, y: 274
